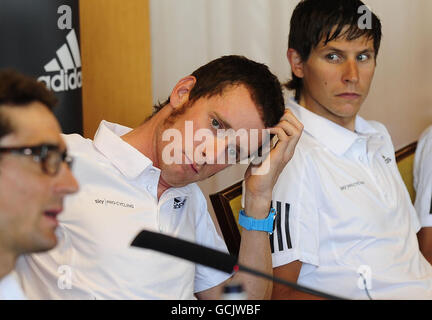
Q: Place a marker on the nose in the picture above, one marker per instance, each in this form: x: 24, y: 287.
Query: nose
x: 66, y: 182
x: 207, y: 152
x: 212, y: 151
x: 351, y: 72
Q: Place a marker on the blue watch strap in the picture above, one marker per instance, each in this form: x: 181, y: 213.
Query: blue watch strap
x: 250, y: 223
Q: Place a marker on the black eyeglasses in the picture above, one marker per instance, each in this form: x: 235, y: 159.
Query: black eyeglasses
x: 49, y: 156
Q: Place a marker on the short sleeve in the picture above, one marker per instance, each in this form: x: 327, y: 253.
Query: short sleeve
x: 390, y: 148
x: 206, y: 235
x: 423, y: 179
x: 296, y: 233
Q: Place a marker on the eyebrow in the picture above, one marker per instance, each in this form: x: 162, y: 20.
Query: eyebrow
x: 368, y: 50
x: 224, y: 122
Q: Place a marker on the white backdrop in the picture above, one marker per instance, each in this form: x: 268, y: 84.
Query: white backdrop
x: 189, y: 33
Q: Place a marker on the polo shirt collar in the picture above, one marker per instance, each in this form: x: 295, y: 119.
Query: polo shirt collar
x: 122, y: 155
x: 131, y: 162
x: 333, y: 136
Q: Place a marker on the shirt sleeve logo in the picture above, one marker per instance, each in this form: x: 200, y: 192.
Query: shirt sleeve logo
x: 281, y: 229
x: 387, y: 160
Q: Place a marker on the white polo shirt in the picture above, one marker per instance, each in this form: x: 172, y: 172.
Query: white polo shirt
x: 10, y: 289
x: 117, y: 199
x: 423, y: 178
x: 343, y: 209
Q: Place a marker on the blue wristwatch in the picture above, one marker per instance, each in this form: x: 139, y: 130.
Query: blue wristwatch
x: 259, y: 225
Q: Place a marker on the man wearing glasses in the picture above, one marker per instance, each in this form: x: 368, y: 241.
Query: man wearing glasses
x: 35, y: 174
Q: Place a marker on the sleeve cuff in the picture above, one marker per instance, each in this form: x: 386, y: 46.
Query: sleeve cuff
x: 304, y: 257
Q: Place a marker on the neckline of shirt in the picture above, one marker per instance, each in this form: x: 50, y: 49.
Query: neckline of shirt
x: 131, y: 162
x: 333, y: 136
x: 123, y: 156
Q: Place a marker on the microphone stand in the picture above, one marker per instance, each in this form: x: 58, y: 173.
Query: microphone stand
x: 211, y: 258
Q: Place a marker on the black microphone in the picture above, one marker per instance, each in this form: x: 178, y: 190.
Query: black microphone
x: 209, y: 257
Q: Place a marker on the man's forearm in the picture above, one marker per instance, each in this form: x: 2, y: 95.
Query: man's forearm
x: 425, y: 242
x: 255, y: 253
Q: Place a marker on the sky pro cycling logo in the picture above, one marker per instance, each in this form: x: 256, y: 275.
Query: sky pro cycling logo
x: 66, y: 75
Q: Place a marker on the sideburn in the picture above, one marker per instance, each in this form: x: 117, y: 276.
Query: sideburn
x: 176, y: 114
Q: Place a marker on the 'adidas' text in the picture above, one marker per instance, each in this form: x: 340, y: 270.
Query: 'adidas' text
x: 63, y: 81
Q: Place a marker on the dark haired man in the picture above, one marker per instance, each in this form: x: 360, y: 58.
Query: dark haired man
x: 34, y: 174
x: 346, y: 224
x: 128, y: 185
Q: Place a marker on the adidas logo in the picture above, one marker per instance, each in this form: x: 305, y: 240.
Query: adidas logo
x: 386, y: 159
x: 68, y: 76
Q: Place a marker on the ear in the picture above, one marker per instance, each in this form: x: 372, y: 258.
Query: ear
x: 296, y: 62
x: 180, y: 93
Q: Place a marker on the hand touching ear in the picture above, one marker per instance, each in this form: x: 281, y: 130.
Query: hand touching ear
x: 260, y: 182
